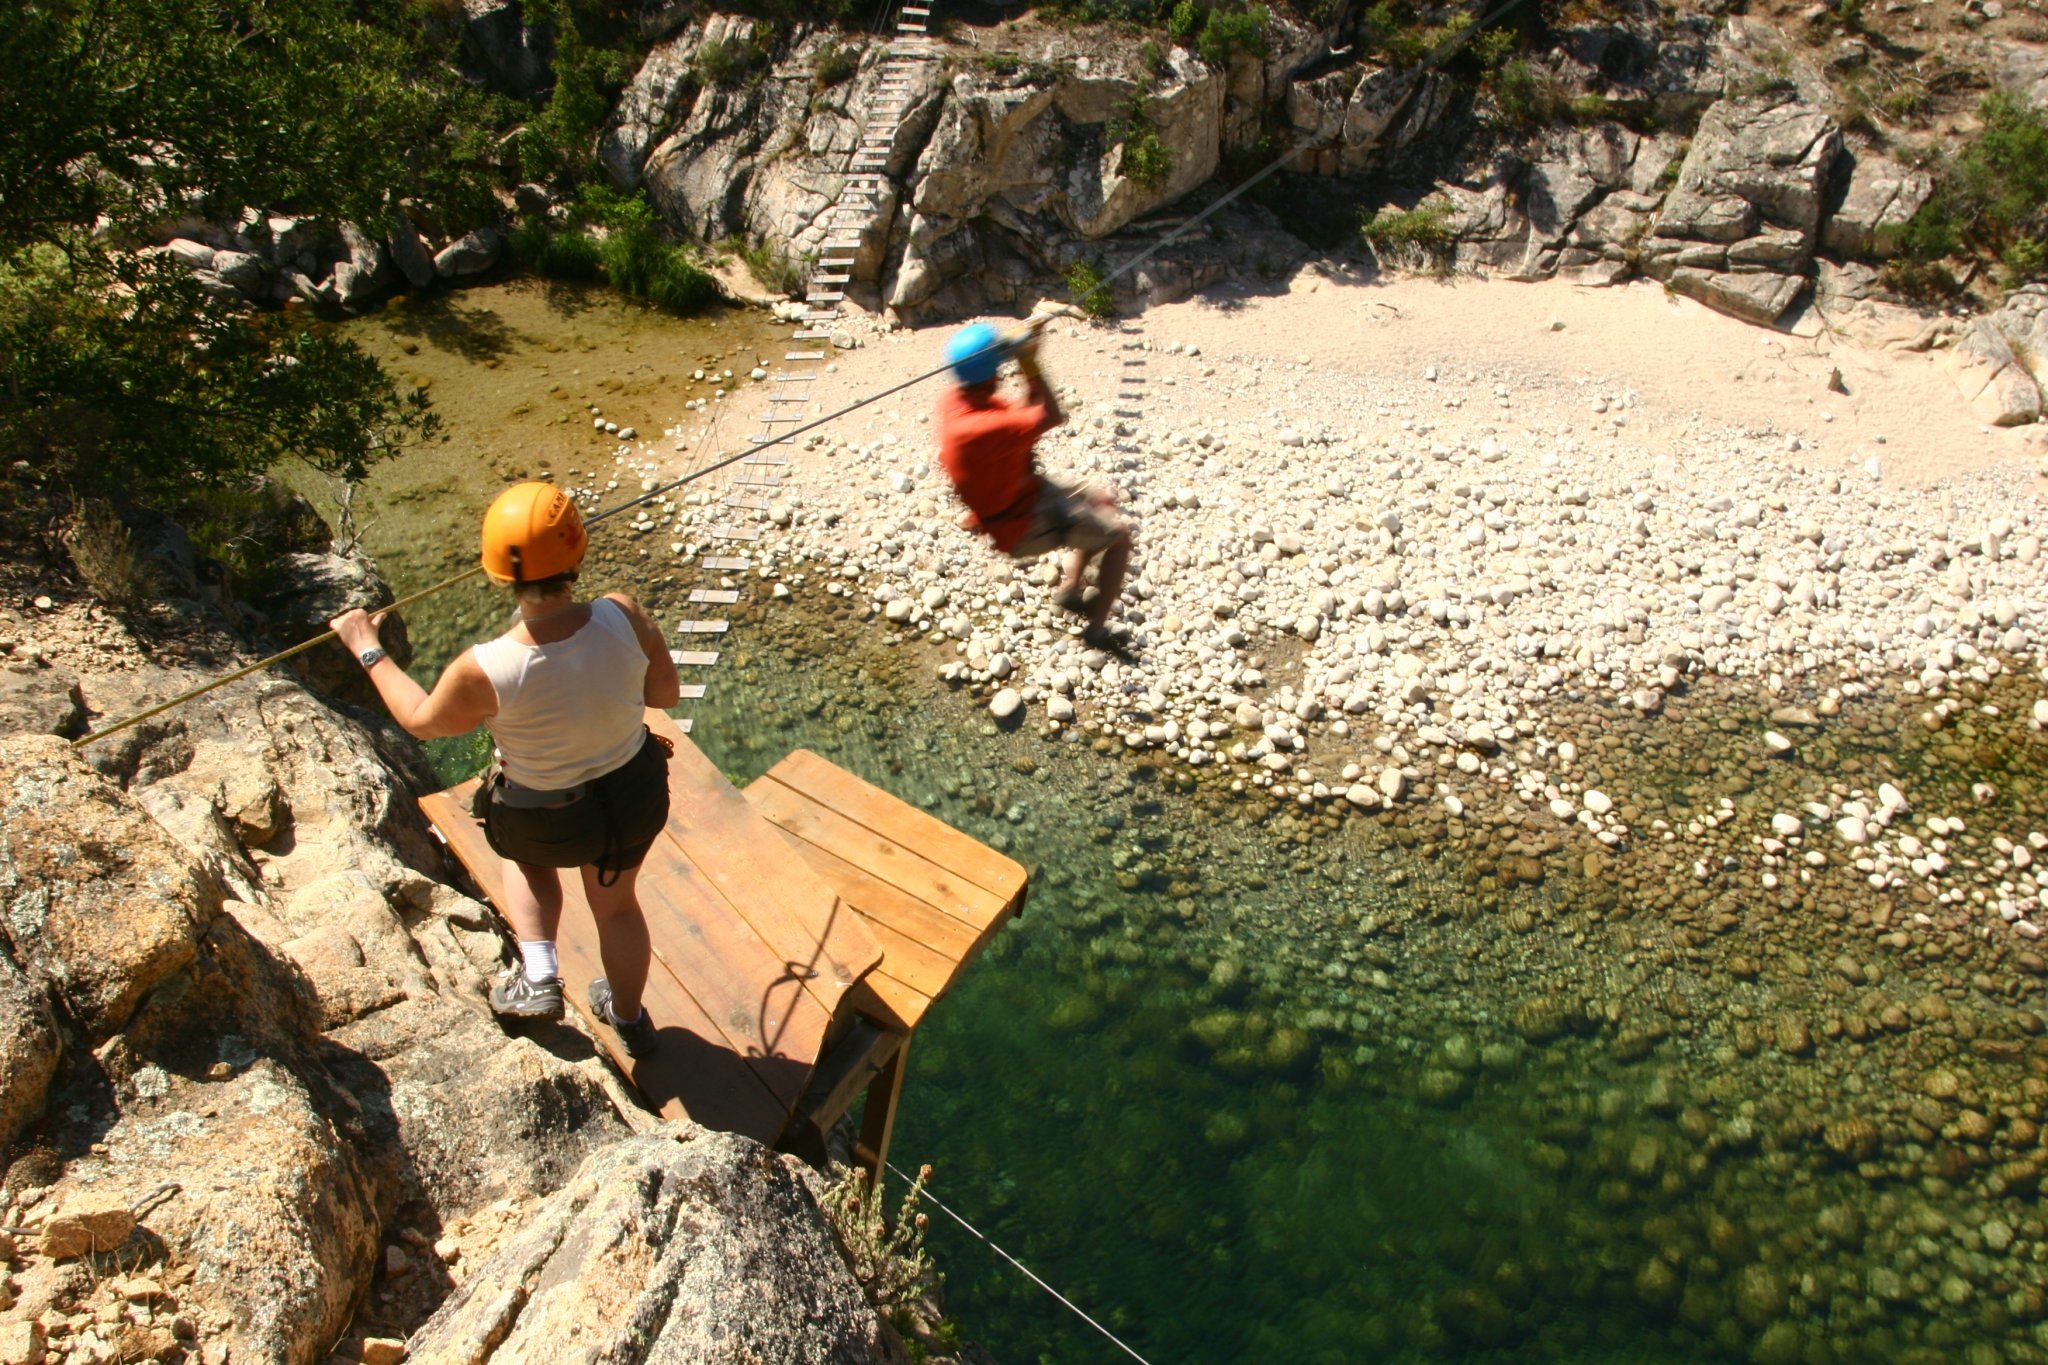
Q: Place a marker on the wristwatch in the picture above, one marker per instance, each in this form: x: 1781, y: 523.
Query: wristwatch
x: 369, y: 658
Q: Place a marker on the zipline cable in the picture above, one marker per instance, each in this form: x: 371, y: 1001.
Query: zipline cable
x: 1001, y: 345
x: 1071, y: 1306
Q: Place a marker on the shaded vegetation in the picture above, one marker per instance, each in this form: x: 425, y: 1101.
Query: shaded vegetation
x: 120, y: 374
x: 613, y: 237
x: 594, y: 58
x: 1990, y: 200
x: 1216, y: 29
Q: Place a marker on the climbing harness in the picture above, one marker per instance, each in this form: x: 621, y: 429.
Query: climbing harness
x: 1069, y: 1304
x: 1003, y: 343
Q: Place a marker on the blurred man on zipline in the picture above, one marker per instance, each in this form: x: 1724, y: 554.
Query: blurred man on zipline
x: 986, y: 446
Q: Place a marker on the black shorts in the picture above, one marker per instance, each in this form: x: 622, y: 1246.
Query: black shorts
x: 610, y: 827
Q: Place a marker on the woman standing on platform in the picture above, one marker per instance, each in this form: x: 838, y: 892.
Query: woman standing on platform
x: 579, y: 781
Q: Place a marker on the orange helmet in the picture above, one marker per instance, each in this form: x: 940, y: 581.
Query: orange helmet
x: 533, y: 531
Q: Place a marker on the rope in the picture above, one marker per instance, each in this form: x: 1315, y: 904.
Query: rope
x: 1001, y: 346
x: 1070, y: 1305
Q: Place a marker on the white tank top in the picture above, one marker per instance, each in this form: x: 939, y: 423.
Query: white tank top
x: 569, y: 711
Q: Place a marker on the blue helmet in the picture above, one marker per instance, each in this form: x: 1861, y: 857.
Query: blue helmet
x: 975, y: 352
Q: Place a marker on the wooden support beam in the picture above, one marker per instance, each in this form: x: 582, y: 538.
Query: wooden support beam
x: 878, y: 1122
x: 848, y: 1066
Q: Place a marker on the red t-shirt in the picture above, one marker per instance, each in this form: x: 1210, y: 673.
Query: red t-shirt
x: 985, y: 449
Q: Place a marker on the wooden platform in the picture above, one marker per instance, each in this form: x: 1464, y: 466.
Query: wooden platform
x: 801, y: 932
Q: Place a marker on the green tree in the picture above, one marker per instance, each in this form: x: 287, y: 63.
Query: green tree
x: 117, y: 370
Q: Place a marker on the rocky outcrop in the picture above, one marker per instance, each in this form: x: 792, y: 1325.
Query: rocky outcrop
x: 2000, y: 360
x: 311, y: 589
x: 1738, y: 230
x: 1581, y: 205
x: 253, y: 1027
x: 999, y: 175
x: 265, y: 1020
x: 39, y: 700
x: 29, y: 1048
x: 681, y: 1246
x: 1878, y: 197
x: 97, y: 905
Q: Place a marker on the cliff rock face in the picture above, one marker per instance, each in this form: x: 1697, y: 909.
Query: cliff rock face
x: 245, y: 1042
x: 2000, y: 362
x: 1739, y: 228
x: 680, y: 1246
x: 1012, y: 170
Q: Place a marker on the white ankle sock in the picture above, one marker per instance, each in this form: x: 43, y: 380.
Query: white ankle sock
x: 617, y: 1022
x: 539, y: 957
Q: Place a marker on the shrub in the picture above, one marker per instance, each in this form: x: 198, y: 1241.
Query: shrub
x: 887, y: 1256
x: 1421, y: 234
x: 103, y: 552
x: 833, y: 65
x: 719, y: 62
x: 2023, y: 260
x: 626, y: 249
x: 1492, y: 47
x: 1990, y: 198
x: 567, y: 254
x: 1227, y: 33
x: 773, y: 269
x: 1090, y: 290
x: 714, y: 64
x: 679, y: 286
x: 1184, y: 22
x: 1146, y: 159
x: 1528, y: 96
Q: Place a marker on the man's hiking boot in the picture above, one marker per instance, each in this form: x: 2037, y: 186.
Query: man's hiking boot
x: 639, y: 1036
x: 515, y: 997
x: 1073, y: 600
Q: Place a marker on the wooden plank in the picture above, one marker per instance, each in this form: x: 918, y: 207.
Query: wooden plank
x: 725, y: 563
x: 741, y: 982
x: 697, y: 1072
x: 932, y: 837
x: 925, y: 970
x: 886, y: 1000
x: 800, y: 917
x: 881, y: 858
x: 703, y: 627
x: 690, y: 692
x: 952, y: 936
x: 719, y: 595
x: 693, y: 658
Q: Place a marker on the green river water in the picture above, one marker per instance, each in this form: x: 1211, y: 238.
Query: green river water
x: 1251, y: 1083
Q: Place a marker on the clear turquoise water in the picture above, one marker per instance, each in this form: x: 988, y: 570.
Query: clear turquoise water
x: 1250, y: 1092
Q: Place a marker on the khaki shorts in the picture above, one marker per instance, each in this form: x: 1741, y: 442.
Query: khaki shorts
x: 1068, y: 518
